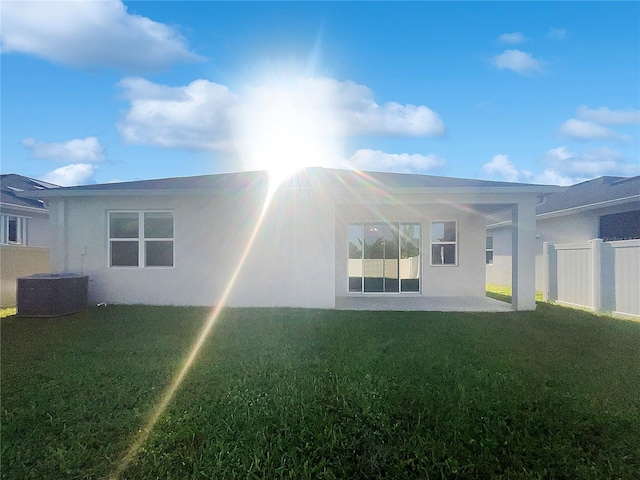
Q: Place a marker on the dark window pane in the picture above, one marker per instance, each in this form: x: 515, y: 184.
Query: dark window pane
x: 443, y: 254
x: 373, y: 284
x: 124, y: 254
x: 620, y: 226
x: 410, y: 285
x: 159, y: 254
x: 13, y: 229
x: 158, y: 225
x: 355, y: 284
x: 443, y: 232
x: 123, y: 225
x: 489, y: 258
x: 490, y: 242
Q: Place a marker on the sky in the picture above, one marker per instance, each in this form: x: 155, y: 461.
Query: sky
x: 108, y: 91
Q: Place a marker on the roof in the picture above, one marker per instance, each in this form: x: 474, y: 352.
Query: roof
x: 596, y: 193
x: 308, y: 178
x: 601, y: 192
x: 12, y: 185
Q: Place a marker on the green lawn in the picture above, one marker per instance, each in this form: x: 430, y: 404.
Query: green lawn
x: 310, y: 394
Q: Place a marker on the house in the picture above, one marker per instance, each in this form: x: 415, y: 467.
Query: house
x: 24, y: 233
x: 328, y: 238
x: 605, y: 207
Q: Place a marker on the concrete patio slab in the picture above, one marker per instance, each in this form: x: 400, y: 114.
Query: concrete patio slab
x: 418, y: 303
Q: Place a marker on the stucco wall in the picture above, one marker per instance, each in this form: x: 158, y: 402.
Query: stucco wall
x: 291, y: 262
x: 500, y: 272
x: 298, y: 257
x: 464, y: 279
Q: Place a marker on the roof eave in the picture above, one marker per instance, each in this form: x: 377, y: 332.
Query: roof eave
x: 71, y: 192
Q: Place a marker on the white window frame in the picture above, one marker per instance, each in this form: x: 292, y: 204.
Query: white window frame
x: 432, y: 243
x: 21, y: 229
x: 141, y: 240
x: 487, y: 250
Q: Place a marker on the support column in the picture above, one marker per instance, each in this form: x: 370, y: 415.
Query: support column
x: 523, y: 256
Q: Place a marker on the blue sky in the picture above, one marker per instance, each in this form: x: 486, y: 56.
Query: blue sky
x: 544, y: 92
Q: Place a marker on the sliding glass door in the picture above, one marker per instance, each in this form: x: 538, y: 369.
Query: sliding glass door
x: 384, y: 257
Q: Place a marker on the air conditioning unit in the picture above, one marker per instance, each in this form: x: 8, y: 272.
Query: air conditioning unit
x: 51, y: 295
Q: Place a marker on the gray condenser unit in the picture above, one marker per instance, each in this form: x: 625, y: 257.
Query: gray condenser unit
x: 50, y: 295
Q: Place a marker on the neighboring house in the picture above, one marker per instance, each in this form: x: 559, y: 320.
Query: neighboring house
x: 605, y: 207
x: 24, y: 233
x: 328, y: 239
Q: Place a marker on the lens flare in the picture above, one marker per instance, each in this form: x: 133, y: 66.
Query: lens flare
x: 169, y: 393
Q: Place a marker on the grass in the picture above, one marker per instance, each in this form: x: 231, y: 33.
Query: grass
x: 503, y: 293
x: 286, y: 393
x: 7, y: 312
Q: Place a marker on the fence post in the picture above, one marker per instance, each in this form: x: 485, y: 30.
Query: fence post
x: 545, y: 271
x: 596, y: 265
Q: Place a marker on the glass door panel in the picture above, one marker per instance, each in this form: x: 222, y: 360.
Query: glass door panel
x: 410, y: 257
x: 391, y: 253
x: 373, y: 270
x: 356, y: 243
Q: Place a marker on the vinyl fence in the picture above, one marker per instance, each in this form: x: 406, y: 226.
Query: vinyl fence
x: 599, y: 276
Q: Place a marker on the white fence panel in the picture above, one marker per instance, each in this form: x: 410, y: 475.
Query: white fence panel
x: 626, y: 265
x: 574, y: 274
x: 601, y: 276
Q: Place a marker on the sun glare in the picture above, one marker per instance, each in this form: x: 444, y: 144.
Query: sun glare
x: 286, y: 125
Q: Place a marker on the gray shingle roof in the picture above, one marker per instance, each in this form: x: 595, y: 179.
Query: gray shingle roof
x: 11, y: 185
x: 314, y: 177
x: 593, y: 192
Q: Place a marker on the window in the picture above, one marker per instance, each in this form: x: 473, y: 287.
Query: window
x: 489, y: 250
x: 620, y: 226
x: 13, y: 229
x: 444, y: 240
x: 141, y: 239
x: 384, y: 257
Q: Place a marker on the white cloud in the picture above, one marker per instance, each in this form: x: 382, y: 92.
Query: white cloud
x: 501, y: 167
x: 583, y: 130
x: 196, y: 116
x: 557, y: 33
x: 515, y: 37
x: 77, y: 150
x: 70, y: 175
x: 565, y: 167
x: 605, y: 116
x: 206, y: 115
x: 518, y: 61
x: 88, y: 33
x: 377, y: 160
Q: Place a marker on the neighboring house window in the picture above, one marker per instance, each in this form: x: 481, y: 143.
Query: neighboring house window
x: 13, y: 229
x: 444, y: 241
x: 620, y: 226
x: 384, y: 257
x: 141, y: 239
x: 489, y: 247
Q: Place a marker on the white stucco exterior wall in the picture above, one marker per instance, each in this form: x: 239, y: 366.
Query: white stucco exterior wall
x: 298, y: 258
x: 290, y: 264
x: 464, y: 279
